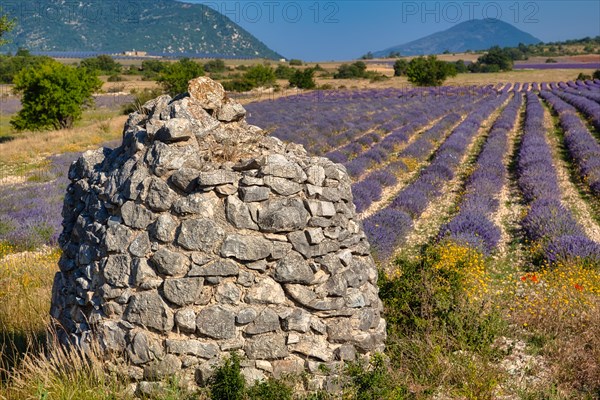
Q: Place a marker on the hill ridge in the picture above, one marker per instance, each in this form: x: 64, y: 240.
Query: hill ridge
x: 157, y: 26
x: 474, y: 34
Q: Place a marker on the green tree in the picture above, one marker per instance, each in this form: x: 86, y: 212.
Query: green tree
x: 295, y: 62
x: 596, y: 74
x: 496, y: 59
x: 6, y: 25
x: 176, y: 76
x: 216, y: 65
x: 103, y: 64
x: 284, y: 72
x: 400, y: 67
x: 151, y: 69
x: 349, y: 71
x: 303, y: 79
x: 260, y: 75
x: 10, y: 66
x: 429, y: 71
x: 53, y: 95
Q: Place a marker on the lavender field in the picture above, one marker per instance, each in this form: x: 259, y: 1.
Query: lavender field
x: 482, y: 207
x: 404, y: 148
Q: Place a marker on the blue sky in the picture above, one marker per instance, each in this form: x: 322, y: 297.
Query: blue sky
x: 343, y: 30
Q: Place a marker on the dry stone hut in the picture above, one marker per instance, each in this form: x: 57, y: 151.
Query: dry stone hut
x: 200, y: 236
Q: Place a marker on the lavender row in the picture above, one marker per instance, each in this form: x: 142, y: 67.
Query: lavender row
x: 547, y: 222
x: 582, y: 146
x: 325, y: 120
x: 473, y: 225
x: 588, y: 107
x: 387, y: 228
x: 370, y: 189
x: 381, y: 152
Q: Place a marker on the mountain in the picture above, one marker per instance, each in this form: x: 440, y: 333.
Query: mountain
x: 476, y: 34
x: 156, y: 26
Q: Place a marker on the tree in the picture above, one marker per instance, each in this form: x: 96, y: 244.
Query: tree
x: 349, y: 71
x: 151, y: 69
x: 596, y: 74
x: 6, y: 25
x: 400, y: 67
x: 303, y: 79
x: 103, y: 64
x: 176, y: 76
x: 496, y: 59
x: 255, y: 76
x: 284, y: 72
x: 368, y: 56
x: 429, y: 71
x: 53, y: 95
x: 295, y: 62
x: 216, y: 65
x: 260, y: 75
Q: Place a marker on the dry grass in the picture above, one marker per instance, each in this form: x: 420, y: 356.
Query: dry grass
x: 29, y: 146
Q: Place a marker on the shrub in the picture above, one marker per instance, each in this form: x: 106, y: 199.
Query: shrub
x: 271, y: 389
x: 429, y: 71
x: 596, y: 74
x: 400, y: 67
x: 350, y: 71
x: 227, y: 383
x: 284, y: 72
x: 295, y: 62
x: 115, y: 78
x: 53, y: 95
x: 175, y: 77
x: 216, y: 65
x: 496, y: 59
x: 303, y: 79
x: 151, y: 69
x: 103, y: 64
x: 583, y: 77
x: 256, y: 76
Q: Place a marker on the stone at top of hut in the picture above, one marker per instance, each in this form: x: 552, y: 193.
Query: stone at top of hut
x: 200, y: 235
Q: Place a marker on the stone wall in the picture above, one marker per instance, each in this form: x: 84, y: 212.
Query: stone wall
x: 200, y: 236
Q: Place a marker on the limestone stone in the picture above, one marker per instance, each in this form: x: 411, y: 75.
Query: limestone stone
x: 175, y: 130
x: 208, y: 93
x: 148, y: 309
x: 117, y: 270
x: 283, y: 216
x: 216, y: 322
x: 200, y: 234
x: 268, y: 346
x: 168, y: 366
x: 136, y: 216
x: 170, y: 263
x: 164, y: 227
x: 183, y: 291
x: 254, y: 193
x: 238, y: 214
x: 160, y: 196
x: 266, y: 321
x: 267, y: 291
x: 245, y: 247
x: 192, y: 347
x: 215, y: 268
x: 293, y: 269
x: 185, y: 320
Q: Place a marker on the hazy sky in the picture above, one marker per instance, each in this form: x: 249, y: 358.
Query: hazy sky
x: 338, y: 30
